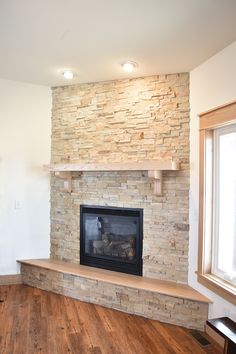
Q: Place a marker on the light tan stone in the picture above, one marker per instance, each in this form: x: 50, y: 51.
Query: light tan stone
x: 125, y: 120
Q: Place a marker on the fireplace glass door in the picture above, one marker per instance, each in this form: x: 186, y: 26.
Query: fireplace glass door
x: 111, y: 238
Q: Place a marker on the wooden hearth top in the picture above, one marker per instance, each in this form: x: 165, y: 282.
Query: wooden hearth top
x: 132, y: 281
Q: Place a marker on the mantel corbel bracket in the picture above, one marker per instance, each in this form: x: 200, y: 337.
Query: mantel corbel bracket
x: 157, y: 177
x: 67, y: 177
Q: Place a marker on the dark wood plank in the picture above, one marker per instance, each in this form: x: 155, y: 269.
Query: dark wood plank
x: 225, y: 327
x: 36, y: 321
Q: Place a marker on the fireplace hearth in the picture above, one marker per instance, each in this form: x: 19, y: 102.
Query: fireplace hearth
x: 111, y: 238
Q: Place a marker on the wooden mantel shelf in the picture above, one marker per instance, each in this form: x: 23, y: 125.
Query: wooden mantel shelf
x: 154, y: 168
x: 147, y: 165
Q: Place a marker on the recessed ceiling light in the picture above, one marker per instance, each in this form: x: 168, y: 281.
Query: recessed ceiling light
x: 68, y: 74
x: 129, y: 66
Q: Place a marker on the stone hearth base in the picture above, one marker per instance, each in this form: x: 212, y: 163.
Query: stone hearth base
x: 137, y: 299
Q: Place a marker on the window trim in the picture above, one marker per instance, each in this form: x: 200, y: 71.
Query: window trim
x: 210, y: 120
x: 218, y: 133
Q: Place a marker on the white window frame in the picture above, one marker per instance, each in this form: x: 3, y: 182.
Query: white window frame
x: 217, y: 133
x: 220, y: 117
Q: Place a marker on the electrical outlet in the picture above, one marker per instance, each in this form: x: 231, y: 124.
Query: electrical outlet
x: 17, y: 204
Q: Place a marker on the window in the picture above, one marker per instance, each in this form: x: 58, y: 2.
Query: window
x: 217, y: 202
x: 224, y: 204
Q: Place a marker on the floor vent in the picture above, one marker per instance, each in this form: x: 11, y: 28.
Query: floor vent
x: 199, y: 338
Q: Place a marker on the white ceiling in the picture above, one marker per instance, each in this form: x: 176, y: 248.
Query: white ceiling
x: 39, y: 39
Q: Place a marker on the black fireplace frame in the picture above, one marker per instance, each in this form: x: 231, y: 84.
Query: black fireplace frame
x: 109, y: 263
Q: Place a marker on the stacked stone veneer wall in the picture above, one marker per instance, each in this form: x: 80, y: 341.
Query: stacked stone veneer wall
x: 120, y: 121
x: 170, y: 309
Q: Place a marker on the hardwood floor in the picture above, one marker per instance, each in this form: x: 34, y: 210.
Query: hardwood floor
x: 36, y: 321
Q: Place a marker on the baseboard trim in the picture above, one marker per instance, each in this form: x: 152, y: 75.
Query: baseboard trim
x: 10, y: 279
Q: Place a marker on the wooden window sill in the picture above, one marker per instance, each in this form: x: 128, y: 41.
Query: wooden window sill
x: 219, y: 286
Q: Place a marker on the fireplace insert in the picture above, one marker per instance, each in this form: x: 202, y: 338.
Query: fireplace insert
x: 111, y: 238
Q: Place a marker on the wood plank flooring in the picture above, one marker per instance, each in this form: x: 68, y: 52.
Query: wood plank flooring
x: 36, y: 321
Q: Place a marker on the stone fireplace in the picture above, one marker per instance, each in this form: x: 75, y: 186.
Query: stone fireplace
x: 125, y: 122
x: 111, y: 238
x: 128, y: 120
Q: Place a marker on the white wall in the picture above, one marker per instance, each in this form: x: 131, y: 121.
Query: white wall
x: 25, y: 125
x: 211, y: 84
